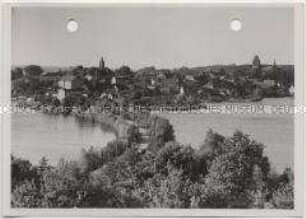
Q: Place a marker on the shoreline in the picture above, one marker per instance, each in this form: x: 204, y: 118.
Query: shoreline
x: 119, y: 126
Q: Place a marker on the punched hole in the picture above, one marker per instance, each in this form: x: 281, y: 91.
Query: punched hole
x: 72, y: 26
x: 236, y: 25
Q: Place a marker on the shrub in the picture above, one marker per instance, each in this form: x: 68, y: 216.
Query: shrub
x: 230, y: 181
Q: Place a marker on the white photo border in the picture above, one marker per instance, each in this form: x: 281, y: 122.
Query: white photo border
x: 5, y: 133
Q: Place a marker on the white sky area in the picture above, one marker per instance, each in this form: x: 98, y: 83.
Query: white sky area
x: 162, y: 36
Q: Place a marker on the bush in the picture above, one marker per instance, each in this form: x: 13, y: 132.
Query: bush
x: 21, y: 170
x: 283, y: 196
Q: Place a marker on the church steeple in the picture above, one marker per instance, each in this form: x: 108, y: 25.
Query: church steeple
x: 274, y: 66
x: 101, y: 63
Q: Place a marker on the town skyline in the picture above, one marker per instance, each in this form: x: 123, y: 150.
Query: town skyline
x: 56, y: 68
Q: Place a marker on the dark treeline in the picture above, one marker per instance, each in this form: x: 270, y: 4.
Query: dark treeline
x: 224, y: 172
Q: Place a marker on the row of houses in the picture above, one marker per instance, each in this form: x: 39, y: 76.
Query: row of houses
x: 215, y: 80
x: 70, y: 84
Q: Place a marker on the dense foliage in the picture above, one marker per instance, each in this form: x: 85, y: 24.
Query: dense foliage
x: 224, y: 172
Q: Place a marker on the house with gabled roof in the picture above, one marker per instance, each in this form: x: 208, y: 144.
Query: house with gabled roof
x: 69, y: 83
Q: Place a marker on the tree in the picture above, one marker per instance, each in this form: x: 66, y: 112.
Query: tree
x: 26, y: 195
x: 55, y: 102
x: 209, y: 150
x: 78, y: 70
x: 212, y: 146
x: 34, y: 86
x: 134, y: 136
x: 43, y: 166
x: 160, y: 130
x: 33, y: 70
x: 283, y: 196
x: 113, y: 150
x: 16, y: 73
x: 168, y: 191
x: 259, y: 188
x: 124, y: 71
x: 62, y: 186
x: 91, y: 160
x: 119, y: 178
x: 68, y: 102
x: 230, y: 181
x: 177, y: 155
x: 21, y: 170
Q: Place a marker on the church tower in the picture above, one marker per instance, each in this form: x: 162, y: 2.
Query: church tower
x: 101, y: 63
x: 256, y: 67
x: 256, y: 62
x: 274, y: 67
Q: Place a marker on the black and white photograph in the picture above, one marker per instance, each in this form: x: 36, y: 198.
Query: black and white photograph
x: 153, y: 106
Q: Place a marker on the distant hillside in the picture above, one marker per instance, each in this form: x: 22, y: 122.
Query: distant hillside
x: 48, y: 68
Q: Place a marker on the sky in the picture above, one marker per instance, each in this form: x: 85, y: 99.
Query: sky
x: 160, y: 36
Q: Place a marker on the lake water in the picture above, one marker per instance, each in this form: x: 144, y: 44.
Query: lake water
x: 54, y: 136
x: 37, y: 135
x: 275, y: 131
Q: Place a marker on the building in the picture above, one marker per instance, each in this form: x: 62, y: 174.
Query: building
x: 61, y: 94
x: 256, y: 68
x: 50, y: 80
x: 267, y: 70
x: 256, y: 62
x: 182, y: 91
x: 114, y: 81
x: 209, y: 85
x: 291, y: 90
x: 70, y: 82
x: 189, y: 78
x: 88, y: 77
x: 269, y: 82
